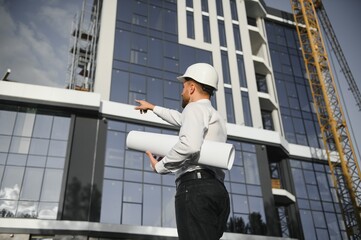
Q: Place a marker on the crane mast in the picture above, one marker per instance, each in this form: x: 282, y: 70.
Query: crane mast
x: 336, y: 138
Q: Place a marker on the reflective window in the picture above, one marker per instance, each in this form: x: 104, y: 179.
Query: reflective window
x: 237, y: 37
x: 241, y: 71
x: 229, y: 105
x: 261, y: 83
x: 267, y: 120
x: 225, y: 67
x: 190, y: 25
x: 134, y: 194
x: 234, y: 10
x: 204, y: 5
x: 246, y: 109
x: 300, y: 125
x: 314, y: 191
x: 219, y: 7
x: 32, y: 158
x: 222, y: 33
x: 7, y: 120
x: 206, y: 29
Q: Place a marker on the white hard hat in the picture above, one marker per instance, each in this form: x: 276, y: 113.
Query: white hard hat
x: 202, y: 73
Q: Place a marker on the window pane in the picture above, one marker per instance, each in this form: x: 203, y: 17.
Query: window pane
x: 222, y: 33
x: 229, y: 106
x: 12, y: 182
x: 152, y: 206
x: 47, y: 210
x: 256, y: 206
x: 60, y: 128
x: 57, y: 148
x: 170, y: 25
x: 52, y: 185
x: 206, y: 29
x: 240, y: 204
x: 42, y: 127
x: 39, y: 146
x: 251, y: 168
x: 111, y: 202
x: 299, y: 183
x: 155, y: 91
x: 234, y: 10
x: 155, y: 53
x: 20, y: 145
x: 113, y: 173
x: 55, y: 162
x: 132, y: 192
x: 115, y: 149
x: 4, y: 143
x: 246, y: 109
x: 133, y: 159
x: 172, y: 90
x: 17, y: 159
x: 27, y: 209
x: 7, y: 120
x: 219, y: 7
x: 36, y: 161
x: 241, y: 71
x: 168, y: 213
x: 204, y: 5
x: 24, y: 124
x: 8, y: 208
x: 137, y: 83
x: 32, y: 184
x: 132, y: 214
x: 190, y: 25
x: 237, y: 37
x: 131, y: 175
x: 237, y: 174
x: 155, y: 17
x: 307, y: 224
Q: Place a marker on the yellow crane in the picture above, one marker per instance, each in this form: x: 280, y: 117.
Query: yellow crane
x: 336, y: 137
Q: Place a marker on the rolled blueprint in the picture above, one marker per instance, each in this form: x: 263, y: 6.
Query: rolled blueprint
x: 215, y: 154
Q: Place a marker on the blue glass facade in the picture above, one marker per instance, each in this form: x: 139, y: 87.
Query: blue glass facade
x: 39, y: 148
x: 294, y: 94
x: 33, y: 146
x: 316, y: 197
x: 317, y: 201
x: 134, y: 194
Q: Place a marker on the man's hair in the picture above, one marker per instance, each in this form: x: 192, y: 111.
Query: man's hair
x: 205, y: 88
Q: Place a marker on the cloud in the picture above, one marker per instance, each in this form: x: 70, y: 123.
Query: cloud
x: 36, y: 48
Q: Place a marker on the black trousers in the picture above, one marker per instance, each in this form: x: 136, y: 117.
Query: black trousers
x: 202, y: 209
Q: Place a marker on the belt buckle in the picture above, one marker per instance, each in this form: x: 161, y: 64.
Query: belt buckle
x: 199, y: 175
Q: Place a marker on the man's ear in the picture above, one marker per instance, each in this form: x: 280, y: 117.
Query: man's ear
x: 192, y: 88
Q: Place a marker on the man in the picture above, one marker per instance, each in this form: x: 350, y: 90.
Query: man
x: 201, y: 201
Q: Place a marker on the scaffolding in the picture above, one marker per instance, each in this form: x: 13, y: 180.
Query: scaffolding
x: 82, y: 47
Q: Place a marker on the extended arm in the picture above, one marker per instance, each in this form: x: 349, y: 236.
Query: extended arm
x: 171, y: 116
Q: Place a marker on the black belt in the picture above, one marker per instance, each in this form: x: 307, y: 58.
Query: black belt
x: 197, y: 174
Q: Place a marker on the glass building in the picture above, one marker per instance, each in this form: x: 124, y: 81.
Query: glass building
x: 65, y: 170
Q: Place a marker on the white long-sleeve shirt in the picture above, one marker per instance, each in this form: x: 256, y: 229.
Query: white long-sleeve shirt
x: 198, y: 121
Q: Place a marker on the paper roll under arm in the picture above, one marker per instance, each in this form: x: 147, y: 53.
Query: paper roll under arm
x: 215, y: 154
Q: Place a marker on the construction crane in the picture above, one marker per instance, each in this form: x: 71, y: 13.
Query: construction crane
x: 335, y: 46
x: 336, y: 138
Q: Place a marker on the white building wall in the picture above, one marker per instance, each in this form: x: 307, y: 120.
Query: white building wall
x: 104, y: 62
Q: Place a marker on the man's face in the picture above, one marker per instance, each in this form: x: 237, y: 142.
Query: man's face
x: 185, y: 93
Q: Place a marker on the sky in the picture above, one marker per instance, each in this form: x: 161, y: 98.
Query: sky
x: 35, y: 37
